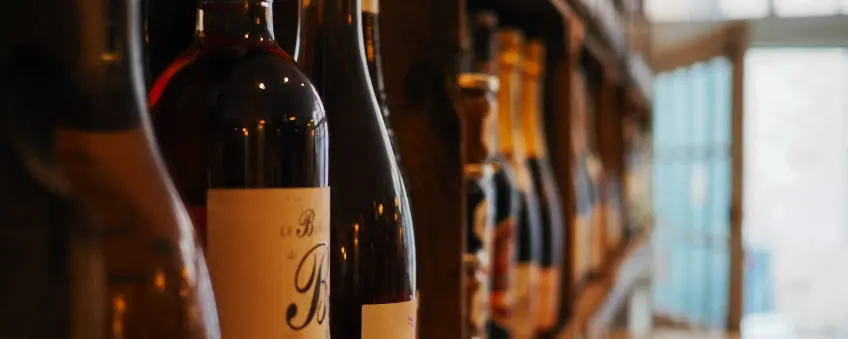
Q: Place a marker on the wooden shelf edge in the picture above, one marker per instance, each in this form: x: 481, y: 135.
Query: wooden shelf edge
x: 597, y: 304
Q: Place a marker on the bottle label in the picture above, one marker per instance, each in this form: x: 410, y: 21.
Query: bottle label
x: 503, y: 271
x: 269, y: 261
x: 371, y: 6
x: 390, y: 321
x: 549, y: 289
x: 526, y: 296
x: 417, y: 309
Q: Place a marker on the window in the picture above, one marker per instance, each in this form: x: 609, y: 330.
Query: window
x: 793, y: 8
x: 737, y: 9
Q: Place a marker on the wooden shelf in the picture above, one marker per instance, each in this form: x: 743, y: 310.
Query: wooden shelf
x: 597, y: 306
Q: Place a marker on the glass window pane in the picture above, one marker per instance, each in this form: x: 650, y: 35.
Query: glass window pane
x: 806, y: 7
x: 670, y: 10
x: 736, y: 9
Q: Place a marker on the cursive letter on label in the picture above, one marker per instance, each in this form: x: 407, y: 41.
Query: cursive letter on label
x: 314, y: 269
x: 307, y: 219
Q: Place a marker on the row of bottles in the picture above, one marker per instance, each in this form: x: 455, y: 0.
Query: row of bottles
x: 525, y: 263
x: 255, y: 140
x: 256, y: 193
x: 238, y: 141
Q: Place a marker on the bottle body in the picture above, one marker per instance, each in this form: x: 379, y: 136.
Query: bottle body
x: 480, y: 226
x: 373, y: 267
x: 550, y: 280
x: 582, y: 193
x: 244, y: 135
x: 506, y: 202
x: 135, y: 272
x: 595, y: 167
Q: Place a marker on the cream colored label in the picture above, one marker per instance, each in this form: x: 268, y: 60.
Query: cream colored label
x: 523, y: 322
x: 390, y: 321
x: 417, y: 309
x: 371, y: 6
x: 269, y: 261
x: 549, y: 290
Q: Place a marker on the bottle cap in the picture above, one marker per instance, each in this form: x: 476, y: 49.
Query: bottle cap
x: 534, y: 57
x: 510, y: 39
x: 510, y: 43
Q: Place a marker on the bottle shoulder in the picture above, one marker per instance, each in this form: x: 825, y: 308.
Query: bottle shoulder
x: 237, y: 79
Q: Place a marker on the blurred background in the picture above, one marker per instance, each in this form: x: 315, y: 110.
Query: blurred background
x: 793, y: 146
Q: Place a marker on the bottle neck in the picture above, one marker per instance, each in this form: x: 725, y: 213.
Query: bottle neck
x: 531, y: 114
x: 329, y: 27
x: 248, y: 21
x: 371, y: 35
x: 479, y: 120
x: 509, y: 122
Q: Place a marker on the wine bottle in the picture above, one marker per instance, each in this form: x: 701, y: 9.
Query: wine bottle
x: 50, y: 250
x: 479, y: 102
x: 523, y: 320
x: 152, y: 277
x: 547, y: 189
x: 582, y: 189
x: 595, y: 168
x: 245, y: 137
x: 373, y: 268
x: 480, y: 88
x: 371, y: 36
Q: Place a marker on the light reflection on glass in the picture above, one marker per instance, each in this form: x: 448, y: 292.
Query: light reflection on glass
x: 159, y: 280
x: 119, y: 307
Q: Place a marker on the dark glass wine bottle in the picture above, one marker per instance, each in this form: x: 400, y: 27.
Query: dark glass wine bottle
x: 550, y: 278
x: 150, y: 278
x: 371, y: 37
x: 53, y: 282
x: 245, y: 137
x: 524, y: 316
x: 594, y: 166
x: 373, y: 245
x: 582, y: 195
x: 479, y: 101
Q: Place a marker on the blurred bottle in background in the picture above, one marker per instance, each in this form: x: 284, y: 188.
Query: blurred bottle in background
x: 523, y: 318
x: 136, y: 273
